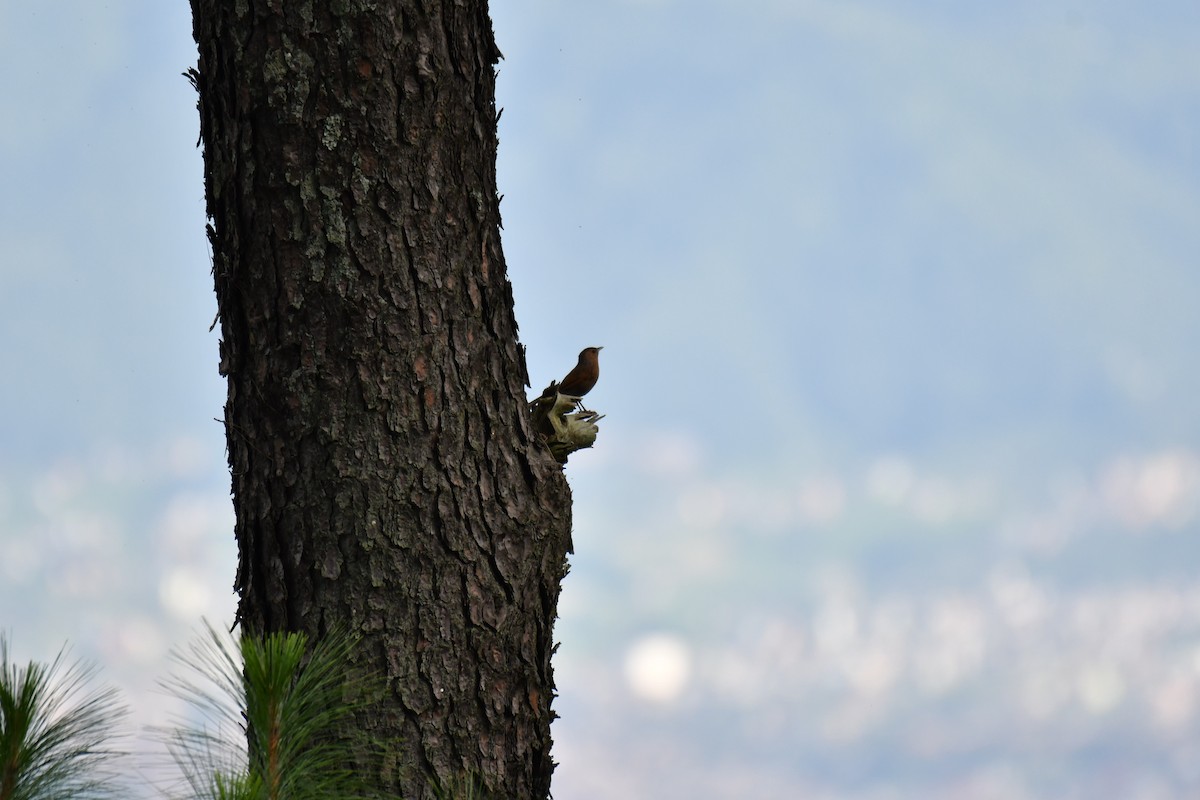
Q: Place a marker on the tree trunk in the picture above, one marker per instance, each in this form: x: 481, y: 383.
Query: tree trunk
x: 385, y: 477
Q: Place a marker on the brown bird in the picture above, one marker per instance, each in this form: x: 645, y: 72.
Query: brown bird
x: 583, y: 377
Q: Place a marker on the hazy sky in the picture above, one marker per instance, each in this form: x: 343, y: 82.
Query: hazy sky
x: 814, y: 237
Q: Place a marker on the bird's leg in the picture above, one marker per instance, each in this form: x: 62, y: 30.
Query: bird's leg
x: 577, y: 402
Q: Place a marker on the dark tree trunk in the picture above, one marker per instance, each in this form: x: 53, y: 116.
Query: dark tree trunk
x: 385, y: 478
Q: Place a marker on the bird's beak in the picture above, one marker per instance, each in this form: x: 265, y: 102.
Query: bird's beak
x: 601, y: 347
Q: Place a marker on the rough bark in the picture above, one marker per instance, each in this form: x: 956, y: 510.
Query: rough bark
x: 385, y: 477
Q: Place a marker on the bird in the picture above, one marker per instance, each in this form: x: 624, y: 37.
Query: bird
x: 583, y: 376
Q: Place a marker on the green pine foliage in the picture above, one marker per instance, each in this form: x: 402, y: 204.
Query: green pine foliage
x: 56, y: 733
x: 464, y: 787
x: 290, y: 701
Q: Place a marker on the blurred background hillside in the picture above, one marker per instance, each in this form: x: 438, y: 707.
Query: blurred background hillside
x: 899, y: 489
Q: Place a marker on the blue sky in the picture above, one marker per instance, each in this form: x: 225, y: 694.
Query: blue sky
x: 996, y: 197
x: 923, y: 267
